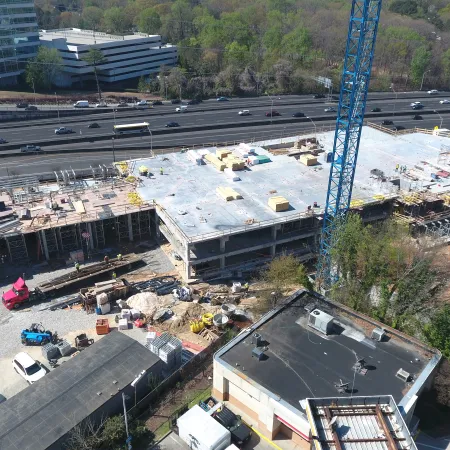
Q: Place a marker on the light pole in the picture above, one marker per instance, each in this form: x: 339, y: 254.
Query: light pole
x: 114, y: 112
x: 423, y: 77
x: 57, y: 107
x: 271, y: 107
x: 315, y: 128
x: 114, y: 150
x: 125, y: 417
x: 440, y: 117
x: 34, y: 90
x: 151, y: 141
x: 396, y: 95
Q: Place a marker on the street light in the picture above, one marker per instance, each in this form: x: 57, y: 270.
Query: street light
x: 396, y: 95
x: 440, y: 117
x: 151, y: 141
x: 315, y: 128
x: 114, y: 112
x: 271, y: 107
x: 57, y: 107
x: 423, y: 77
x: 114, y: 150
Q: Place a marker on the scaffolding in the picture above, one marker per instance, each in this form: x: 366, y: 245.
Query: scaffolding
x: 99, y: 234
x: 51, y: 241
x: 17, y: 249
x: 22, y: 189
x: 140, y: 222
x: 68, y: 238
x: 122, y: 228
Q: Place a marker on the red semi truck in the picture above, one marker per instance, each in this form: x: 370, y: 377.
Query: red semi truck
x: 19, y: 294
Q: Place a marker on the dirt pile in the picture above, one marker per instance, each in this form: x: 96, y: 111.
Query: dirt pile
x: 146, y: 302
x: 193, y: 311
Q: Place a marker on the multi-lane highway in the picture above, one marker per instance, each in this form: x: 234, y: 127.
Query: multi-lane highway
x: 224, y: 116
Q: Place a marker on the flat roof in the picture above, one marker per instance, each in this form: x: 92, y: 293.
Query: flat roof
x: 191, y: 188
x: 44, y: 412
x: 358, y: 423
x: 303, y: 363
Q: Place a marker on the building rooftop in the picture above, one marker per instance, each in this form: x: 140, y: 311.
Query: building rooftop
x: 312, y: 364
x: 358, y: 423
x: 45, y: 411
x: 187, y: 191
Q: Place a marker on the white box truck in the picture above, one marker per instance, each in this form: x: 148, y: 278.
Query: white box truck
x: 81, y: 104
x: 200, y: 431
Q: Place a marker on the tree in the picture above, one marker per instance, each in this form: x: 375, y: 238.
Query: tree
x: 92, y: 17
x: 116, y: 21
x: 95, y: 58
x: 419, y: 64
x: 445, y: 61
x: 149, y: 21
x: 405, y: 7
x: 296, y: 45
x: 176, y: 80
x: 437, y: 331
x: 237, y: 55
x: 42, y: 71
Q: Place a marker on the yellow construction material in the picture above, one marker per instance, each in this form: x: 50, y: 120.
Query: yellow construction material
x: 356, y: 203
x: 278, y: 203
x: 233, y: 162
x: 143, y: 170
x: 228, y: 193
x: 135, y: 199
x: 412, y: 199
x: 222, y: 153
x: 207, y: 319
x: 196, y: 326
x: 216, y: 162
x: 308, y: 160
x: 446, y: 199
x: 122, y: 166
x: 79, y: 207
x: 379, y: 197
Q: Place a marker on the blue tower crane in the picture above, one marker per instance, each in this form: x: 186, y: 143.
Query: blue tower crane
x: 362, y: 33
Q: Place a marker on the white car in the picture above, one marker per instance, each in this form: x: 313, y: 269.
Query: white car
x: 433, y: 91
x: 29, y: 369
x: 415, y: 103
x: 444, y: 102
x: 181, y: 109
x: 244, y: 112
x: 101, y: 105
x: 141, y: 103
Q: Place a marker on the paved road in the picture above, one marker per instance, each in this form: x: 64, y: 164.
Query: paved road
x: 137, y: 147
x: 224, y: 112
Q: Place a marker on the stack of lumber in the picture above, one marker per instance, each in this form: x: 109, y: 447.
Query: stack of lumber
x: 216, y: 162
x: 228, y: 193
x: 233, y: 162
x: 278, y: 203
x: 221, y: 154
x: 308, y: 160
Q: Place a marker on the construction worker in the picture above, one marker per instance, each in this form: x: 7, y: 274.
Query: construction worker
x: 77, y: 267
x: 106, y: 259
x: 119, y: 257
x: 114, y: 275
x: 161, y: 171
x: 396, y: 167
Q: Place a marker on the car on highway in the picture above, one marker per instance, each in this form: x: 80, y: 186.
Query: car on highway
x: 387, y: 122
x: 417, y: 117
x: 141, y: 103
x: 28, y: 368
x: 175, y: 101
x: 415, y: 103
x: 122, y: 105
x: 398, y: 128
x: 101, y: 105
x: 244, y: 112
x: 157, y: 103
x: 318, y: 96
x: 29, y: 148
x: 376, y: 109
x: 94, y: 125
x: 31, y: 108
x: 433, y: 92
x: 330, y: 109
x: 22, y: 105
x: 64, y: 130
x: 3, y: 141
x: 444, y: 102
x: 298, y: 114
x: 272, y: 113
x: 222, y: 99
x: 193, y: 102
x: 172, y: 124
x: 419, y: 106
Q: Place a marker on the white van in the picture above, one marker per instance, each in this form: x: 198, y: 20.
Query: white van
x: 181, y: 109
x: 81, y: 104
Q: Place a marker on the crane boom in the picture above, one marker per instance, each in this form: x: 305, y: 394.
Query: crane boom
x: 362, y: 33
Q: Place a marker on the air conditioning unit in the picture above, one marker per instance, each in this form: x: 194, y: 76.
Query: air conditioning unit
x: 257, y: 339
x: 378, y: 334
x: 321, y: 321
x: 403, y: 375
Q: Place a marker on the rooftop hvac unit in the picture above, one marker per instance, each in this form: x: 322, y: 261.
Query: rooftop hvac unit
x: 378, y: 334
x: 320, y: 321
x: 403, y: 375
x: 257, y: 339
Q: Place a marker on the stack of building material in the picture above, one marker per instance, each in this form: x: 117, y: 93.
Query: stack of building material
x: 64, y: 348
x: 228, y: 193
x: 195, y: 157
x: 216, y: 162
x: 233, y: 162
x: 50, y: 351
x: 125, y: 314
x: 230, y: 174
x: 102, y: 299
x: 253, y: 159
x: 308, y: 160
x: 262, y: 159
x: 102, y: 326
x: 105, y: 308
x: 222, y: 153
x: 168, y: 348
x: 244, y: 150
x: 151, y: 336
x: 123, y: 324
x: 279, y: 203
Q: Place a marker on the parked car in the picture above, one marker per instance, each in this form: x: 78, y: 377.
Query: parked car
x: 318, y: 96
x: 63, y: 130
x: 172, y: 124
x: 3, y: 141
x: 330, y: 109
x: 244, y: 112
x: 175, y: 101
x: 94, y: 125
x: 222, y: 99
x: 433, y: 92
x: 398, y: 128
x: 298, y: 114
x: 417, y: 117
x: 157, y: 103
x: 387, y: 122
x: 122, y: 105
x: 418, y: 106
x: 101, y: 105
x: 22, y: 105
x: 30, y: 148
x: 31, y: 108
x: 272, y: 113
x: 29, y: 369
x: 376, y: 109
x: 444, y: 102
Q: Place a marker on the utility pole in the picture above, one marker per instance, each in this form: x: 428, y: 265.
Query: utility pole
x: 128, y: 441
x: 114, y: 150
x: 423, y: 77
x: 396, y: 95
x: 440, y: 117
x: 57, y: 107
x: 271, y: 107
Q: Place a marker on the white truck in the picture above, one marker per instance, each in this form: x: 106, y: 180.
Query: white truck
x: 81, y: 104
x: 181, y: 109
x: 200, y: 431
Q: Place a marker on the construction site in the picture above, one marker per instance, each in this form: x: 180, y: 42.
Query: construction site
x: 227, y: 210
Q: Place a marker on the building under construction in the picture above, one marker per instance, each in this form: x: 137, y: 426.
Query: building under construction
x: 228, y: 210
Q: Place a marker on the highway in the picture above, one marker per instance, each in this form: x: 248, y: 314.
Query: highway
x: 102, y: 152
x: 208, y: 113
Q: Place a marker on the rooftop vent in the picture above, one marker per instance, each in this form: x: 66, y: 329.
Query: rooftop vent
x: 320, y: 321
x: 257, y: 339
x: 378, y: 334
x: 403, y: 375
x: 258, y: 353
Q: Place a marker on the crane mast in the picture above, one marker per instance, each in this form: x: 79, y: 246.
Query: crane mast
x: 362, y: 33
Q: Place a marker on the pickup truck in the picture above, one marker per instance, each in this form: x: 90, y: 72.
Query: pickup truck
x: 19, y: 293
x: 63, y: 130
x: 30, y: 148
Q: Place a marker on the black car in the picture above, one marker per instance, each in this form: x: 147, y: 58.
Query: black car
x: 3, y: 141
x: 417, y: 107
x: 172, y: 124
x: 319, y: 96
x: 94, y: 125
x: 387, y: 122
x: 272, y: 113
x: 175, y: 101
x: 22, y: 105
x: 31, y: 108
x: 298, y: 114
x: 193, y: 102
x: 398, y: 128
x: 157, y: 103
x: 376, y: 109
x: 240, y: 433
x: 122, y: 105
x: 417, y: 117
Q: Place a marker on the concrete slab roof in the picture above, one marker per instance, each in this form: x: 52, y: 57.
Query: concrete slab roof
x: 188, y: 192
x: 301, y: 362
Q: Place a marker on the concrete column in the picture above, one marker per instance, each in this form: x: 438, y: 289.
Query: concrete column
x: 273, y: 250
x: 91, y: 239
x: 222, y: 262
x: 44, y: 245
x: 188, y: 271
x: 130, y: 228
x: 275, y: 228
x: 157, y: 230
x: 223, y: 241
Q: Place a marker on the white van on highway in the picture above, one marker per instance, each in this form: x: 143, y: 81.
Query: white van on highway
x: 181, y: 109
x: 81, y: 104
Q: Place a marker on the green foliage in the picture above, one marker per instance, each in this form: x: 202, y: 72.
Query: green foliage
x: 437, y: 332
x: 94, y: 57
x: 420, y: 63
x: 114, y: 431
x: 115, y: 21
x: 92, y: 17
x: 405, y: 7
x: 149, y: 21
x: 446, y: 65
x: 42, y: 70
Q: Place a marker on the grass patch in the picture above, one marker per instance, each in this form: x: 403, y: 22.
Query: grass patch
x: 200, y: 396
